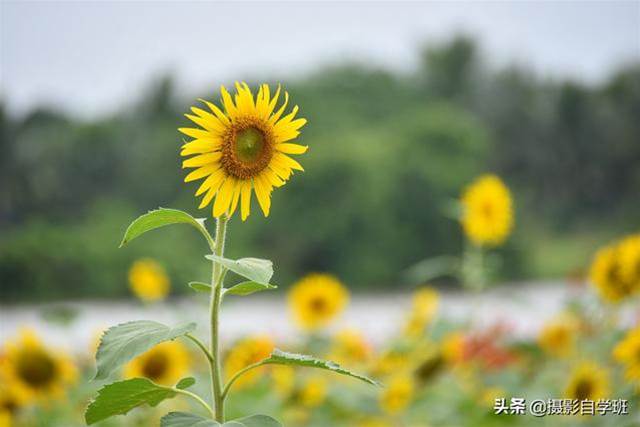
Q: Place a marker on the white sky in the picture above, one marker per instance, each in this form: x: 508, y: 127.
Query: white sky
x: 90, y: 58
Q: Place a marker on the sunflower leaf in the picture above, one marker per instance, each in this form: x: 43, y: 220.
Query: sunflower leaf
x: 185, y: 383
x: 122, y: 396
x: 160, y: 218
x: 123, y: 342
x: 255, y: 269
x: 253, y: 421
x: 248, y: 288
x: 279, y: 357
x: 200, y: 287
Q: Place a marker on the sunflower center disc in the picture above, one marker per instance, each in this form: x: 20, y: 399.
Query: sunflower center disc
x: 249, y: 145
x: 37, y: 368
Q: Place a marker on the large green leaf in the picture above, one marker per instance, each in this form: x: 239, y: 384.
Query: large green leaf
x: 121, y: 397
x: 123, y: 342
x: 248, y: 288
x: 183, y: 419
x: 253, y: 421
x: 283, y: 358
x: 254, y: 269
x: 160, y: 218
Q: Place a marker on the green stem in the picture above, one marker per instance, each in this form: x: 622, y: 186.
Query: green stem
x: 216, y: 293
x: 202, y: 347
x: 239, y: 374
x: 196, y: 398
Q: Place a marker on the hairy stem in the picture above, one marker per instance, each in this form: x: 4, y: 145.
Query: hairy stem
x: 214, y: 310
x: 202, y: 347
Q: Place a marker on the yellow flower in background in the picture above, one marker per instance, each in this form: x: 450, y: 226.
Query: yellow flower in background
x: 313, y: 391
x: 558, y: 336
x: 148, y: 280
x: 284, y: 379
x: 487, y: 212
x: 627, y: 352
x: 245, y: 148
x: 389, y: 362
x: 350, y: 347
x: 12, y: 398
x: 164, y: 364
x: 588, y: 381
x: 424, y: 309
x: 244, y: 353
x: 452, y: 347
x: 615, y: 271
x: 489, y: 395
x: 35, y: 372
x: 317, y: 299
x: 397, y: 395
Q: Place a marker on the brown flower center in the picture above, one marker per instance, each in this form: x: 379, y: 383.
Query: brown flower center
x: 36, y: 368
x: 583, y: 389
x: 247, y: 147
x: 155, y: 366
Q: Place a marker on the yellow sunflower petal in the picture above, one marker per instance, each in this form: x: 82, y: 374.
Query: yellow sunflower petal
x: 236, y: 198
x: 196, y: 133
x: 200, y: 173
x: 245, y: 204
x: 223, y: 198
x: 287, y: 161
x: 202, y: 160
x: 218, y: 112
x: 228, y: 103
x: 199, y: 146
x: 214, y: 178
x: 263, y: 194
x: 292, y: 148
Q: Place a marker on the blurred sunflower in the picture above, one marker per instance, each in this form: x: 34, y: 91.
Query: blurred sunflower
x: 12, y: 398
x: 397, y: 395
x: 316, y: 300
x: 453, y: 348
x: 164, y: 364
x: 350, y: 347
x: 148, y: 280
x: 615, y: 270
x: 558, y: 336
x: 246, y: 352
x: 35, y: 372
x: 313, y: 391
x: 487, y: 212
x: 283, y: 378
x: 242, y: 149
x: 627, y: 352
x: 424, y: 308
x: 588, y: 381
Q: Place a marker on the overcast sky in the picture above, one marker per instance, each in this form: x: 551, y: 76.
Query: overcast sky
x: 90, y: 58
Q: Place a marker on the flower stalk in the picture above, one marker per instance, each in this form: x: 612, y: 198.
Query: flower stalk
x: 214, y: 311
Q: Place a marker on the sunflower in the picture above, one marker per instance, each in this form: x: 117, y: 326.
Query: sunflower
x: 487, y: 212
x: 627, y: 352
x: 453, y: 348
x: 317, y: 299
x: 242, y: 149
x: 588, y: 381
x: 615, y: 270
x: 12, y: 398
x: 35, y: 372
x: 558, y: 337
x: 148, y: 280
x: 397, y: 395
x: 350, y: 347
x: 283, y: 379
x: 425, y: 307
x: 313, y: 391
x: 246, y: 352
x: 164, y: 364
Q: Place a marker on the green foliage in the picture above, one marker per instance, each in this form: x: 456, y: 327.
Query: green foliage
x: 200, y: 287
x: 122, y: 396
x: 385, y: 148
x: 248, y: 288
x: 123, y: 342
x: 279, y: 357
x: 161, y: 218
x: 185, y: 383
x: 182, y: 419
x: 255, y: 269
